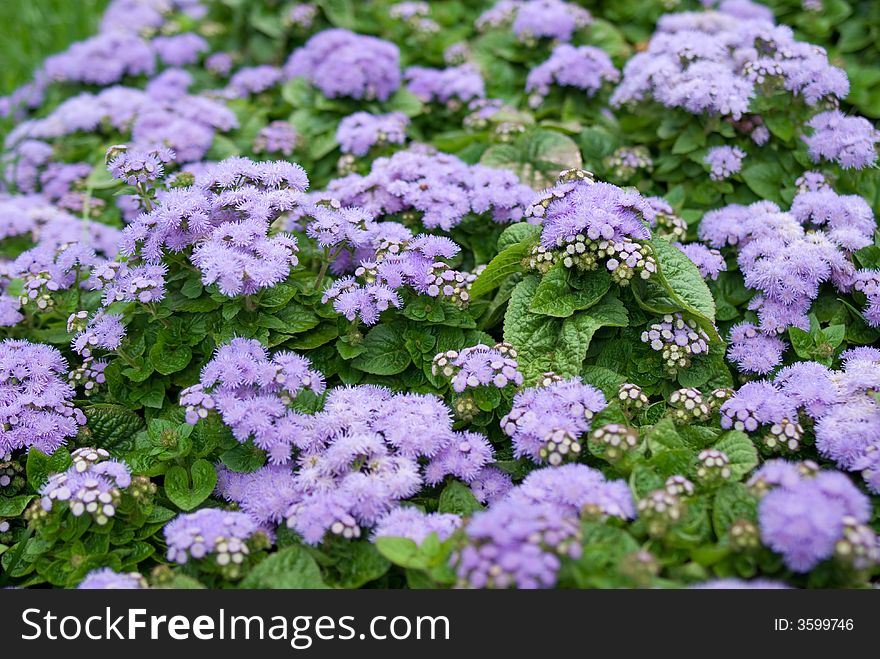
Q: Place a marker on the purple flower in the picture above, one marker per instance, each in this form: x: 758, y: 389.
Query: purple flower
x: 754, y: 351
x: 549, y: 19
x: 361, y: 131
x: 103, y: 59
x: 677, y: 339
x: 867, y: 282
x: 847, y: 219
x: 276, y: 137
x: 253, y: 80
x: 576, y: 489
x: 91, y: 485
x: 491, y: 485
x: 756, y: 404
x: 540, y: 412
x: 180, y: 49
x: 582, y: 67
x: 803, y: 520
x: 342, y: 63
x: 454, y: 86
x: 851, y: 142
x: 724, y: 161
x: 209, y: 531
x: 464, y: 456
x: 36, y: 408
x: 103, y: 331
x: 134, y: 167
x: 516, y: 545
x: 106, y: 579
x: 412, y: 523
x: 219, y: 64
x: 478, y: 366
x: 708, y: 260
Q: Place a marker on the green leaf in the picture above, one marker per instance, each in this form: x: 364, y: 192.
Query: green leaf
x: 691, y: 139
x: 500, y: 268
x: 764, y: 179
x: 400, y: 551
x: 685, y: 285
x: 555, y: 297
x: 192, y: 288
x: 741, y: 451
x: 457, y: 498
x: 733, y: 501
x: 533, y: 335
x: 578, y: 330
x: 167, y: 360
x: 186, y: 496
x: 111, y: 425
x: 14, y: 506
x: 296, y: 318
x: 518, y: 233
x: 40, y: 466
x: 385, y: 352
x: 289, y: 568
x: 355, y: 564
x: 405, y: 101
x: 244, y: 458
x: 536, y: 157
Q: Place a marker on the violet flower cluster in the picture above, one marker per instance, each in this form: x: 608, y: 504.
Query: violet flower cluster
x: 222, y: 534
x: 717, y: 63
x: 542, y: 414
x: 810, y: 516
x: 479, y: 366
x: 276, y: 137
x: 536, y: 19
x: 252, y: 391
x: 92, y: 485
x: 851, y: 142
x: 677, y: 339
x: 724, y: 161
x: 437, y: 188
x: 342, y: 63
x: 356, y: 460
x: 361, y: 131
x: 454, y: 87
x: 106, y: 579
x: 35, y: 401
x: 587, y: 223
x: 785, y: 257
x: 410, y: 522
x: 582, y: 67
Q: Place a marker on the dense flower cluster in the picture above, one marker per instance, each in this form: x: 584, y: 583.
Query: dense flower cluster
x: 536, y: 19
x: 809, y: 517
x: 361, y: 131
x: 455, y: 86
x: 437, y: 188
x: 342, y: 63
x: 35, y: 402
x: 210, y: 531
x: 724, y: 161
x: 677, y: 339
x: 851, y: 142
x: 106, y: 579
x: 582, y: 67
x: 276, y: 137
x: 479, y: 366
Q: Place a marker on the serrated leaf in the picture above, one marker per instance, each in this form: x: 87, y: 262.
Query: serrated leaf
x: 555, y: 297
x: 518, y: 233
x: 14, y: 506
x: 578, y: 330
x: 733, y: 501
x: 244, y: 458
x: 40, y: 466
x: 500, y: 268
x: 685, y: 285
x: 384, y: 353
x: 168, y: 360
x: 288, y: 568
x: 111, y: 424
x: 741, y: 451
x: 401, y: 551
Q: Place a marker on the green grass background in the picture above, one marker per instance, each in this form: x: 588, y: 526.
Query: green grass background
x: 34, y: 29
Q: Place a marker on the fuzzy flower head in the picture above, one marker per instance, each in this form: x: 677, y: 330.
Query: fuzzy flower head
x: 478, y: 366
x: 412, y: 523
x: 851, y: 142
x: 361, y: 131
x: 89, y: 486
x: 540, y: 414
x: 106, y: 579
x: 583, y: 67
x: 36, y: 408
x: 210, y: 532
x: 724, y: 161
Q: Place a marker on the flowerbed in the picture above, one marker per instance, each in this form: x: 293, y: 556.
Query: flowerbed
x: 431, y: 295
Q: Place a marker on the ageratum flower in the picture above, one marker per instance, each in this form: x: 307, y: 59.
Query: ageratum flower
x: 106, y: 579
x: 251, y: 392
x: 454, y: 86
x: 677, y: 339
x: 180, y: 49
x: 576, y: 489
x: 491, y: 485
x: 276, y: 137
x: 549, y: 19
x: 361, y: 131
x: 412, y: 523
x: 752, y: 350
x: 253, y: 80
x: 93, y: 485
x: 135, y: 167
x: 36, y: 408
x: 804, y: 518
x: 209, y: 531
x: 709, y: 261
x: 341, y: 63
x: 103, y: 59
x: 478, y: 366
x: 583, y: 67
x: 867, y: 282
x: 538, y: 413
x: 851, y: 142
x: 724, y: 161
x: 104, y: 331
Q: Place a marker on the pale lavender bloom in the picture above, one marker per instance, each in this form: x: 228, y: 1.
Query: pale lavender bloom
x: 581, y: 67
x: 867, y: 282
x: 515, y: 545
x: 454, y: 86
x: 180, y: 49
x: 756, y: 404
x: 276, y: 137
x: 219, y: 64
x: 539, y: 412
x: 342, y: 63
x: 491, y: 485
x: 106, y: 579
x: 103, y: 331
x: 359, y: 132
x: 851, y: 142
x: 170, y: 85
x: 253, y: 80
x: 209, y: 531
x: 134, y: 166
x: 549, y: 19
x: 708, y: 260
x: 92, y: 485
x: 478, y: 366
x: 754, y: 351
x: 302, y: 15
x: 412, y: 523
x: 36, y: 408
x: 574, y: 489
x: 464, y: 456
x: 103, y: 59
x: 724, y: 161
x: 847, y: 219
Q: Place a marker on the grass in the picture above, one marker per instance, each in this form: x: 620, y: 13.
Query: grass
x: 35, y: 29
